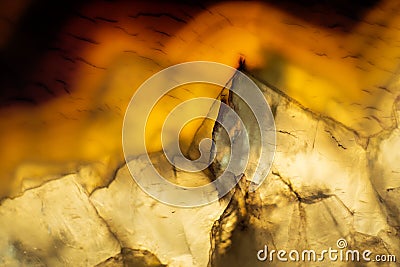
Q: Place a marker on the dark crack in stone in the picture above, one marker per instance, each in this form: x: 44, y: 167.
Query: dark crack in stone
x: 326, y: 183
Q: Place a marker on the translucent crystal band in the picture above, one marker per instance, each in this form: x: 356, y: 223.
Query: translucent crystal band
x: 160, y: 84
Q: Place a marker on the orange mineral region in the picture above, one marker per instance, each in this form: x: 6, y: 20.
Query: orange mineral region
x: 64, y: 97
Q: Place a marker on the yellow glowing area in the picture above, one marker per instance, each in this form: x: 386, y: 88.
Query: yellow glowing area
x: 166, y: 105
x: 328, y: 71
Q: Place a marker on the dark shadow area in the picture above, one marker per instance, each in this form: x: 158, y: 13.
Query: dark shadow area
x: 37, y: 30
x: 332, y: 14
x: 32, y: 37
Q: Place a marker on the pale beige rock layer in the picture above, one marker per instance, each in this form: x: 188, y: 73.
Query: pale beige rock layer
x: 326, y: 183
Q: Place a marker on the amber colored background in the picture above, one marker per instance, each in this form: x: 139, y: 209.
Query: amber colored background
x: 68, y: 70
